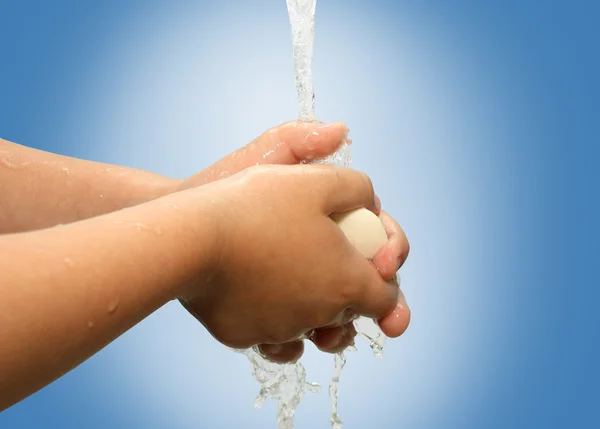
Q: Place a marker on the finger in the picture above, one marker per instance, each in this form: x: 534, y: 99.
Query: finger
x: 287, y: 144
x: 377, y: 297
x: 377, y: 205
x: 392, y: 256
x: 395, y: 324
x: 282, y: 353
x: 336, y: 339
x: 303, y: 141
x: 343, y: 189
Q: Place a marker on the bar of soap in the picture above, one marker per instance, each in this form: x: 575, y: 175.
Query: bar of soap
x: 363, y: 229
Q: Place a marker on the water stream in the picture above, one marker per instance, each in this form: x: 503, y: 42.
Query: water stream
x: 286, y: 383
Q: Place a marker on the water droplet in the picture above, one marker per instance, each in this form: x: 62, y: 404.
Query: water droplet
x: 113, y: 305
x: 313, y: 387
x: 266, y: 155
x: 146, y: 228
x: 260, y: 400
x: 8, y: 164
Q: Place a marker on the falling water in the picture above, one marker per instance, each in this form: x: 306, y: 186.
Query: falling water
x: 286, y: 383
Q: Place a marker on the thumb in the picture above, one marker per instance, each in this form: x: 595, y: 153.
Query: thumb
x: 289, y: 143
x: 298, y: 141
x: 286, y: 144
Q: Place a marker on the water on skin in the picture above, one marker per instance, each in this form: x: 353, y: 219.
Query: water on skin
x: 15, y: 163
x: 286, y: 383
x: 140, y: 226
x: 113, y: 305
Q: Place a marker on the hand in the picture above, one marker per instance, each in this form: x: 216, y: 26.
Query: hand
x: 287, y: 144
x: 338, y: 337
x: 285, y: 267
x: 292, y: 143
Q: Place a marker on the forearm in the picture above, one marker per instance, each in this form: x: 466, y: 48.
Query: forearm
x: 40, y: 189
x: 66, y: 292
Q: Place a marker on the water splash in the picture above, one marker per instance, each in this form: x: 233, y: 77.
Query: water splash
x: 286, y: 383
x: 339, y: 363
x: 371, y: 332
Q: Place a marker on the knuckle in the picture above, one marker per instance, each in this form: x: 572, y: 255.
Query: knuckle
x: 368, y: 185
x: 326, y: 318
x: 317, y: 319
x: 230, y: 337
x: 224, y: 338
x: 367, y: 179
x: 280, y: 333
x: 277, y: 336
x: 322, y: 315
x: 353, y: 290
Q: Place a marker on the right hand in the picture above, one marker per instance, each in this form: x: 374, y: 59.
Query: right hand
x: 284, y: 266
x: 334, y: 339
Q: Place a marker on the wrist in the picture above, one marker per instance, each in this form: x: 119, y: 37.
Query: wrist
x: 193, y: 250
x: 151, y: 187
x: 148, y: 188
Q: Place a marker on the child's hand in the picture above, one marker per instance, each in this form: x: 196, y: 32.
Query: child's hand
x: 339, y: 336
x: 287, y: 144
x: 292, y: 143
x: 284, y: 267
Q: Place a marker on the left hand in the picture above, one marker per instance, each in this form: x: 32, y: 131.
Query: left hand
x: 287, y: 144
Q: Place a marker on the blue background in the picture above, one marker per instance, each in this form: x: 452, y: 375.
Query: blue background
x: 478, y: 122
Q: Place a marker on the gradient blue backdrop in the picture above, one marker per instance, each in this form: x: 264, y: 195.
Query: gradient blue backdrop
x: 478, y: 122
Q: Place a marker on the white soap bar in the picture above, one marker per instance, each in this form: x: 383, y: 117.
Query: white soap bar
x: 363, y: 229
